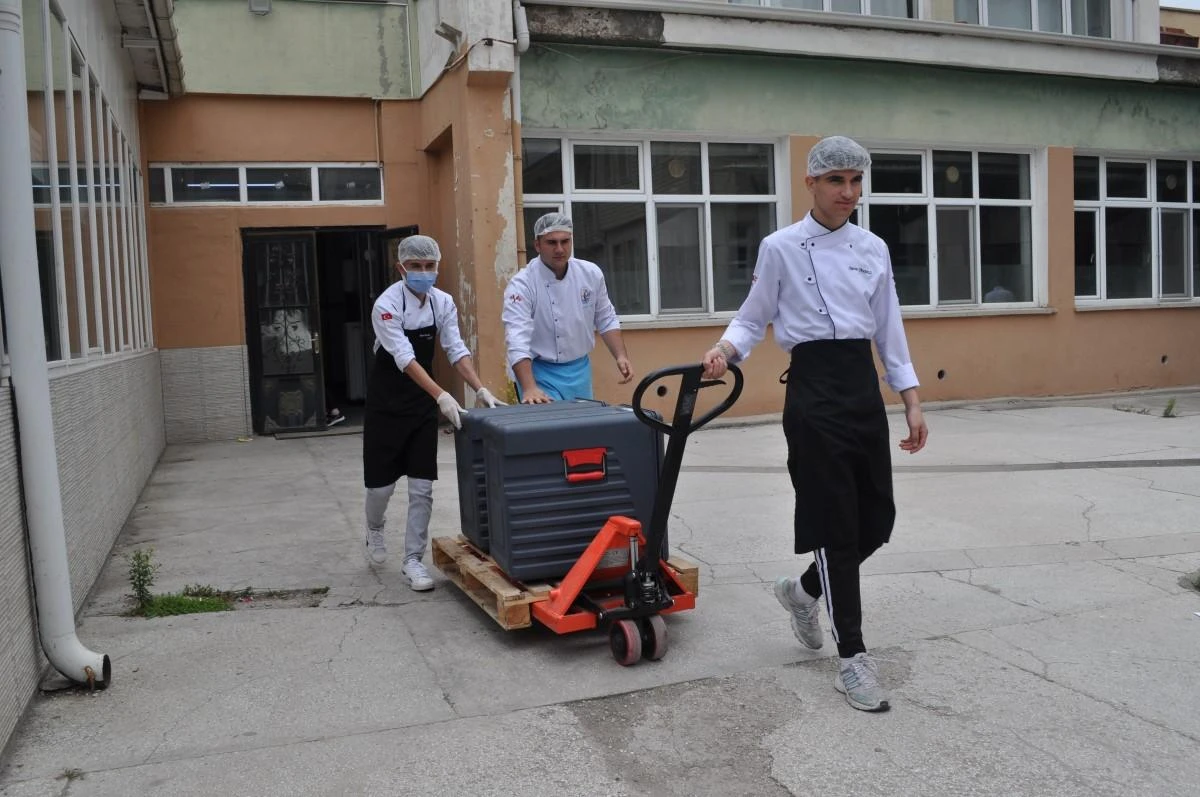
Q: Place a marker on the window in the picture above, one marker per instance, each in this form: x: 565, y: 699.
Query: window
x: 958, y: 225
x: 1137, y: 225
x: 675, y: 225
x: 884, y: 8
x: 1077, y: 17
x: 266, y: 183
x: 279, y: 185
x: 87, y: 222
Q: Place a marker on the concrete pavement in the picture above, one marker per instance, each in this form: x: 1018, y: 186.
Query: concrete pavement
x: 1032, y: 619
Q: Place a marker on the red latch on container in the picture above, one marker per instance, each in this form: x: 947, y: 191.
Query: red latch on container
x: 585, y: 464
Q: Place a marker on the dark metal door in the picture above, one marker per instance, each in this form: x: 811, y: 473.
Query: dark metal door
x: 284, y: 332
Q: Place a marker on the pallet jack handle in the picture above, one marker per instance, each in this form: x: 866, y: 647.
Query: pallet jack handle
x: 682, y: 425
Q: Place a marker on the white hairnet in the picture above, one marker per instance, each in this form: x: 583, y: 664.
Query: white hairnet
x: 552, y: 222
x: 418, y: 247
x: 835, y: 154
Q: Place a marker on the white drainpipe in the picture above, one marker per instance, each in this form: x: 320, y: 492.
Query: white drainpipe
x: 30, y: 381
x: 520, y: 27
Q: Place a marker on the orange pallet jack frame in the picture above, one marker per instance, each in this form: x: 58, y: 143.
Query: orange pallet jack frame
x: 619, y: 580
x: 561, y: 612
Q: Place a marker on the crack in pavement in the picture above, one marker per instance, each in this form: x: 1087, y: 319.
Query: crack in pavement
x: 1087, y: 515
x: 1120, y: 708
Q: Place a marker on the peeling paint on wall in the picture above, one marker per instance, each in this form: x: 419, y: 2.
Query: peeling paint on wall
x: 590, y: 88
x: 299, y: 49
x: 506, y: 240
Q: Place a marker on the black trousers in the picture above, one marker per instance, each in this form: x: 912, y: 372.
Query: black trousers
x: 840, y: 463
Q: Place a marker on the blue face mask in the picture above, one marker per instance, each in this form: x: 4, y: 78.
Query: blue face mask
x: 420, y: 281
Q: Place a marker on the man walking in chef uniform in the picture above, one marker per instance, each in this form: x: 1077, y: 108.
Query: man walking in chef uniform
x: 826, y: 286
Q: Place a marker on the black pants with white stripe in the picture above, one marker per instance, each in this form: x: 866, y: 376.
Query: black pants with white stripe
x: 834, y: 576
x: 839, y: 459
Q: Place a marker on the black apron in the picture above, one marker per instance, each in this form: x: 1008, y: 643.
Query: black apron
x: 838, y: 451
x: 401, y: 425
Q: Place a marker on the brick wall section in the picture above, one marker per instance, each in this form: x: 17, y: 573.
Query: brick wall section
x: 108, y: 429
x: 20, y: 655
x: 108, y: 426
x: 206, y: 393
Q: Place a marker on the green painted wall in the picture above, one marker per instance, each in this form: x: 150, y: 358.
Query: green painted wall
x: 300, y: 48
x: 586, y: 88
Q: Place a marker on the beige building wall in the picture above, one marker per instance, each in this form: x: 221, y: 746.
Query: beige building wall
x: 1187, y: 20
x: 447, y: 162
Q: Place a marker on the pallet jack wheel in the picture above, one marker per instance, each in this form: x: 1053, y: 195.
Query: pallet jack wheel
x: 625, y: 639
x: 654, y: 637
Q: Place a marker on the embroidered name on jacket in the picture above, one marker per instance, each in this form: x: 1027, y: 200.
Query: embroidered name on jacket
x: 862, y: 270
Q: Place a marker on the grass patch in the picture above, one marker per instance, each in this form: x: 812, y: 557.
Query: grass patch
x: 71, y: 775
x: 196, y: 598
x: 1169, y: 412
x: 171, y: 605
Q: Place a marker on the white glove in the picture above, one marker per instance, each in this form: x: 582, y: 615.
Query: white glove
x: 451, y: 409
x: 484, y: 396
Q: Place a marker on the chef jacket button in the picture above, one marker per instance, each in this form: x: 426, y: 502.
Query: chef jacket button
x: 821, y: 310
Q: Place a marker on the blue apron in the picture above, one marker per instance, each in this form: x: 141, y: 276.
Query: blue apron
x: 563, y: 381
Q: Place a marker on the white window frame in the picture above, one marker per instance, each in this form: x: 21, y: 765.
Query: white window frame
x: 1120, y: 15
x: 116, y: 225
x: 827, y: 5
x: 563, y: 203
x: 244, y: 201
x: 1037, y: 209
x: 1156, y: 207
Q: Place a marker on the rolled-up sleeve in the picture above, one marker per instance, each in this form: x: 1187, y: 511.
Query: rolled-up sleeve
x: 761, y: 305
x: 447, y: 323
x: 606, y: 312
x: 889, y: 332
x: 389, y: 333
x: 517, y: 316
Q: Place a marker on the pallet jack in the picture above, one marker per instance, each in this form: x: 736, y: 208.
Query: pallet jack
x: 621, y: 578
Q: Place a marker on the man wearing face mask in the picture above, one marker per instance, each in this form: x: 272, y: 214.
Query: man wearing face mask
x: 400, y: 432
x: 825, y: 285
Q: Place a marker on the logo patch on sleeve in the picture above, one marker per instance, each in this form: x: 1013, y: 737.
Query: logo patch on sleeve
x: 386, y: 316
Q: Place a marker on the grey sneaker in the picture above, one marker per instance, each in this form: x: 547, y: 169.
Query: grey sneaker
x: 376, y: 549
x: 806, y: 614
x: 858, y: 680
x: 417, y: 575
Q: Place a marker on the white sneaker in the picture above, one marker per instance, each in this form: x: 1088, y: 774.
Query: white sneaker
x: 376, y: 549
x: 858, y: 680
x: 417, y: 575
x: 805, y: 611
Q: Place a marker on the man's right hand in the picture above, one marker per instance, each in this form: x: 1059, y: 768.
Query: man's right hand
x: 451, y: 409
x: 714, y: 363
x: 534, y: 395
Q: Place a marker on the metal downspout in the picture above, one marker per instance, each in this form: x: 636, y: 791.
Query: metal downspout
x: 521, y: 36
x: 30, y: 380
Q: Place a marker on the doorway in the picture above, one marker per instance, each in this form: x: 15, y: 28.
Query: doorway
x: 309, y: 294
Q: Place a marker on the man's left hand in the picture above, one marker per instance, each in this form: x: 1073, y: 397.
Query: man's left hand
x: 484, y: 398
x: 918, y: 432
x: 626, y: 369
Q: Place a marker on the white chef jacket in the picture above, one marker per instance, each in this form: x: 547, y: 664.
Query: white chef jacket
x: 817, y: 284
x: 556, y: 320
x: 397, y: 309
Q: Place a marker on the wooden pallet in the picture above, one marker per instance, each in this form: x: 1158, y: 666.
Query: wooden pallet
x: 478, y: 575
x: 687, y: 573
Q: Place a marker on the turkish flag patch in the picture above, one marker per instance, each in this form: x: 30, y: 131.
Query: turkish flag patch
x: 386, y: 316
